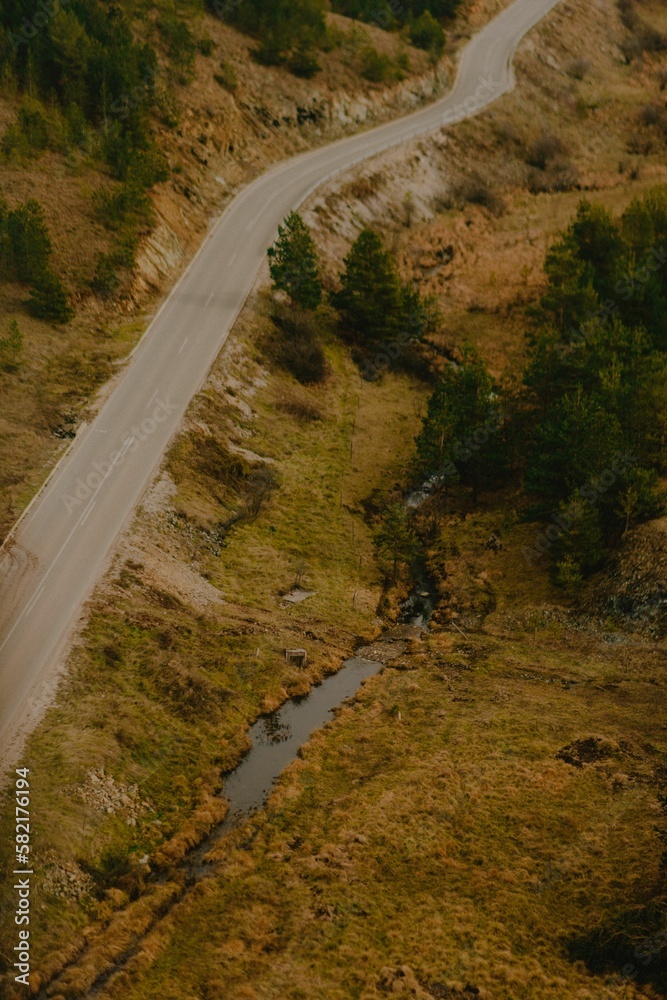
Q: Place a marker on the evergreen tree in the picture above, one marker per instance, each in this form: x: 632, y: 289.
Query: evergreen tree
x: 426, y: 33
x: 459, y: 436
x: 48, y: 299
x: 580, y: 549
x: 29, y: 240
x: 599, y: 244
x: 369, y: 301
x: 576, y: 441
x: 570, y: 298
x: 396, y: 540
x: 294, y: 264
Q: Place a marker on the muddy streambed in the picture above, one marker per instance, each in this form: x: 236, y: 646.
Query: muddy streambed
x: 276, y: 738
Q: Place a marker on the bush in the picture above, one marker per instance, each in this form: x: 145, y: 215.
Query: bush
x: 10, y: 348
x: 376, y: 67
x: 31, y: 133
x: 427, y: 34
x: 299, y: 349
x: 475, y: 191
x: 15, y: 145
x: 301, y: 409
x: 227, y: 77
x: 48, y: 299
x: 544, y: 150
x: 303, y: 63
x: 29, y: 241
x: 560, y: 176
x: 105, y: 281
x: 579, y: 68
x: 181, y: 45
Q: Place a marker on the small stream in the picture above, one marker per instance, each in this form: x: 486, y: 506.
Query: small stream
x: 276, y: 738
x: 275, y: 741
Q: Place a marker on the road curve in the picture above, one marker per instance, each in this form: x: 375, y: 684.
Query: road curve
x: 50, y: 564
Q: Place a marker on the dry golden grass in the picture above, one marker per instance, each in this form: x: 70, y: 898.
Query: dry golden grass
x: 161, y: 688
x: 453, y: 842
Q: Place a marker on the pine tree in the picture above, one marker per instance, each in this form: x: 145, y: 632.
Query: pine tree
x: 48, y: 299
x: 459, y: 436
x: 570, y: 298
x: 580, y: 549
x: 370, y: 298
x: 294, y: 264
x: 29, y: 240
x: 396, y: 541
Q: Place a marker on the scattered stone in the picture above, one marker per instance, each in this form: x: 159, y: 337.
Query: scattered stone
x: 103, y: 794
x: 65, y: 879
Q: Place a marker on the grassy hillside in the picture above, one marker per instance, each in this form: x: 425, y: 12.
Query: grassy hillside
x: 128, y: 184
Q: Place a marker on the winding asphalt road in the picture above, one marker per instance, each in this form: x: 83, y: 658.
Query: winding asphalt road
x: 62, y: 545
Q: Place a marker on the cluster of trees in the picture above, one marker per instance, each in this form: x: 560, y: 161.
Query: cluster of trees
x: 89, y: 86
x: 288, y: 31
x: 378, y: 314
x: 25, y: 256
x: 396, y: 12
x: 586, y: 427
x: 291, y: 31
x: 81, y: 53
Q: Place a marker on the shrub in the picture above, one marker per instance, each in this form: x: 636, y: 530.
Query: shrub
x: 304, y: 358
x: 10, y: 348
x: 226, y: 77
x: 426, y: 33
x: 15, y: 145
x: 560, y: 176
x: 544, y: 150
x: 106, y: 281
x: 303, y: 63
x: 299, y: 349
x: 579, y: 68
x: 29, y: 240
x: 48, y: 299
x: 181, y: 44
x: 375, y: 66
x: 476, y: 191
x: 31, y: 133
x: 302, y: 410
